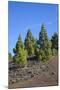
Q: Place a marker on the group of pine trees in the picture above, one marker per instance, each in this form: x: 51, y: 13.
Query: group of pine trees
x: 42, y: 48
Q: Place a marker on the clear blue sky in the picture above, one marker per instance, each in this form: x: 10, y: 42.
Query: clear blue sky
x: 23, y: 16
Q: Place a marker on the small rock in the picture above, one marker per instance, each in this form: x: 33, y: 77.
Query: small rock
x: 13, y: 81
x: 52, y: 73
x: 17, y: 79
x: 29, y: 72
x: 32, y: 75
x: 44, y: 68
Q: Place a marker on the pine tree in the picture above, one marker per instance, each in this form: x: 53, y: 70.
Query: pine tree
x: 54, y: 41
x: 45, y: 44
x: 43, y: 38
x: 20, y: 54
x: 30, y: 43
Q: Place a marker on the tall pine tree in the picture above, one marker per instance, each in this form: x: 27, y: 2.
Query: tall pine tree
x: 20, y: 54
x: 45, y: 44
x: 30, y: 43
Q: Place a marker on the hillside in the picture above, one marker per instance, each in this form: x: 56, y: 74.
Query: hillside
x: 36, y: 74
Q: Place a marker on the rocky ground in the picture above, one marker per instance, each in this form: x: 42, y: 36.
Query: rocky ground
x: 35, y: 75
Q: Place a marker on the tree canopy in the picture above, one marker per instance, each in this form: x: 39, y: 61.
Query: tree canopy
x: 43, y: 48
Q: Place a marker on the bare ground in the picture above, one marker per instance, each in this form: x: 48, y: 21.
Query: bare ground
x: 43, y: 74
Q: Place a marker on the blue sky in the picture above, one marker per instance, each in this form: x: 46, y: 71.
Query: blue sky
x: 23, y: 16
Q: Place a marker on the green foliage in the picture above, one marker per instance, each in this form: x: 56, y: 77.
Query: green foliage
x: 10, y: 57
x: 48, y: 53
x: 30, y: 43
x: 54, y: 51
x: 42, y: 48
x: 20, y: 53
x: 43, y: 38
x: 45, y: 44
x: 36, y: 48
x: 41, y: 55
x: 54, y: 41
x: 48, y: 50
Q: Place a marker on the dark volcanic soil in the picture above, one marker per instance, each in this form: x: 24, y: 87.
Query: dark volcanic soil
x: 35, y: 75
